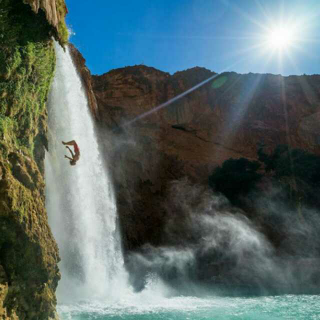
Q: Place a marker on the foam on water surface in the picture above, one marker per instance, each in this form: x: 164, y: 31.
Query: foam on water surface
x: 218, y: 308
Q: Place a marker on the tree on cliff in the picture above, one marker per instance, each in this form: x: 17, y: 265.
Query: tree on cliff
x: 236, y: 177
x: 295, y: 172
x: 298, y: 171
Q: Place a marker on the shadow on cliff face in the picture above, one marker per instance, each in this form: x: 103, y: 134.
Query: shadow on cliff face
x: 196, y: 241
x: 211, y: 247
x: 139, y: 171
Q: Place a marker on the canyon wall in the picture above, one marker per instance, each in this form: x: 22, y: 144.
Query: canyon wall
x: 85, y: 77
x: 28, y: 252
x: 228, y: 117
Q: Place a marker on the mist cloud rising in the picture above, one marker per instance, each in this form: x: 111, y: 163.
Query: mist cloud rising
x: 210, y: 246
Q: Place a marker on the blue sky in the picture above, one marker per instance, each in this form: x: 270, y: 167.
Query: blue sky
x: 174, y: 35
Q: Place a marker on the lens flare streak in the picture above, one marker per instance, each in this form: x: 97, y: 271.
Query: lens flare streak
x: 179, y: 96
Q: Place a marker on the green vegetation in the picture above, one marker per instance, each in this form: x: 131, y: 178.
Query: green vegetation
x: 295, y: 172
x: 60, y: 33
x: 27, y: 62
x: 28, y: 253
x: 63, y: 33
x: 287, y: 162
x: 236, y: 177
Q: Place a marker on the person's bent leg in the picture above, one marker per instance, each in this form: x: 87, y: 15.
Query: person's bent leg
x: 69, y: 143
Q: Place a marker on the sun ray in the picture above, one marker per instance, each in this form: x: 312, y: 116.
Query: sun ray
x: 179, y: 96
x: 262, y: 9
x: 244, y: 51
x: 309, y: 40
x: 235, y: 118
x: 293, y: 63
x: 229, y: 130
x: 235, y: 8
x: 305, y: 52
x: 178, y: 37
x: 308, y: 91
x: 235, y: 82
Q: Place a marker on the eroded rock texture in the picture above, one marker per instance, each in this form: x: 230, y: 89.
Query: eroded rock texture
x: 55, y: 11
x: 28, y: 252
x: 85, y: 77
x: 228, y: 117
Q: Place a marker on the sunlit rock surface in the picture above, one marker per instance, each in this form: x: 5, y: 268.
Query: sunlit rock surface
x: 85, y: 76
x: 155, y: 144
x: 228, y: 117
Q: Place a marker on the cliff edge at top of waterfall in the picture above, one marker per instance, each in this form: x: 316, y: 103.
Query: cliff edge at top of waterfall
x: 55, y: 11
x: 85, y: 76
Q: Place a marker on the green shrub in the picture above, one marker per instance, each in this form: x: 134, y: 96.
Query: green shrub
x: 236, y: 177
x: 27, y: 62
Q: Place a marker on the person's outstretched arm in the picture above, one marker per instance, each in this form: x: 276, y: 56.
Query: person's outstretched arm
x: 68, y: 157
x: 72, y: 154
x: 69, y: 143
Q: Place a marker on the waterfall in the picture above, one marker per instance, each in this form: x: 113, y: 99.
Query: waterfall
x: 80, y: 199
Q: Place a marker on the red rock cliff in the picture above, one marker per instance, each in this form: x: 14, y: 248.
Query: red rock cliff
x: 227, y: 117
x: 85, y: 76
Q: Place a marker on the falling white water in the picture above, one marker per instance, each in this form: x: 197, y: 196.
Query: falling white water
x: 80, y: 199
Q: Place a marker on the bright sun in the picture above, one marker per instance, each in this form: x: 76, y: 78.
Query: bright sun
x: 280, y: 38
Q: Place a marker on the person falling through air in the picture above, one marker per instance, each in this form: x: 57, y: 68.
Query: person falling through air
x: 76, y: 155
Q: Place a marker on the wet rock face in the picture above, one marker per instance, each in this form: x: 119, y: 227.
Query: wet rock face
x: 228, y: 117
x: 85, y: 76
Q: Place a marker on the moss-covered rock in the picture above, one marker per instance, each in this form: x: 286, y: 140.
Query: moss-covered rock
x: 28, y: 253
